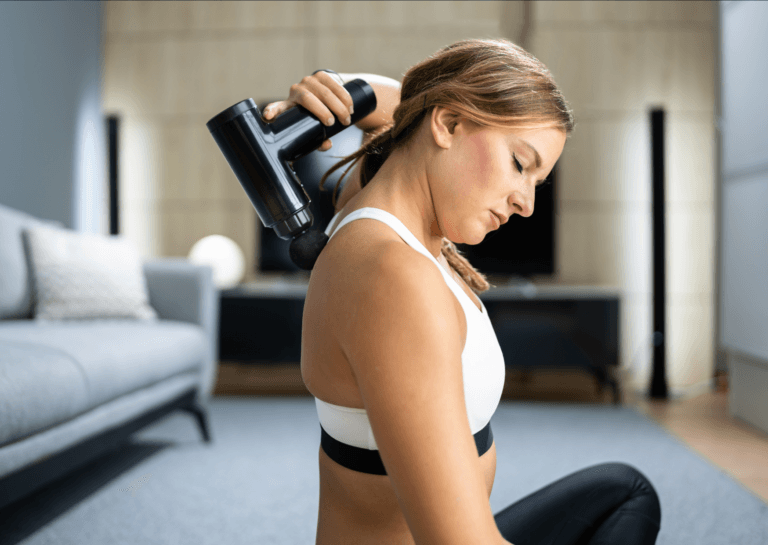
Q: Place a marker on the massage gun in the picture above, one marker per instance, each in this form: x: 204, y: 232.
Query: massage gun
x: 262, y: 154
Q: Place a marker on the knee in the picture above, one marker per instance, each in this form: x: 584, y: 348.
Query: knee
x: 641, y: 491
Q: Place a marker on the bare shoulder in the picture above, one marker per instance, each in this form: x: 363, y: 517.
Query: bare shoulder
x: 384, y: 270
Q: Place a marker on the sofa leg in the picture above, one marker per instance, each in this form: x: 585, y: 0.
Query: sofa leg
x: 202, y: 419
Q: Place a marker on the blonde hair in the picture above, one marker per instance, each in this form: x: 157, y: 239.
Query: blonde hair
x: 494, y: 83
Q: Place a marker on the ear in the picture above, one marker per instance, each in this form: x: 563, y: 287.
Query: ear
x: 443, y: 124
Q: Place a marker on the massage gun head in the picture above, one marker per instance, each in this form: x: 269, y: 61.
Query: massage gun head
x: 305, y: 248
x: 261, y: 155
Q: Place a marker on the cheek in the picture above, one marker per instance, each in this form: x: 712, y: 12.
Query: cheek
x: 473, y: 168
x: 472, y: 174
x: 472, y: 171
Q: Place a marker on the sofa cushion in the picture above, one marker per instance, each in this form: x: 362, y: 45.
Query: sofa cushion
x: 86, y: 275
x: 117, y: 356
x: 40, y: 387
x: 15, y: 288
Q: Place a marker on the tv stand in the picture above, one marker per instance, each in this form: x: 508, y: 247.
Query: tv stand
x: 538, y: 325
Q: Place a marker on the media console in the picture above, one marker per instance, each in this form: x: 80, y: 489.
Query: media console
x: 538, y: 326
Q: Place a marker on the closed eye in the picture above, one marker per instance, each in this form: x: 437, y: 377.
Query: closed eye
x: 519, y: 166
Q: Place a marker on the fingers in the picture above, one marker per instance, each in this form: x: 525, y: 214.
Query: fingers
x: 337, y: 88
x: 323, y: 102
x: 322, y: 95
x: 326, y: 145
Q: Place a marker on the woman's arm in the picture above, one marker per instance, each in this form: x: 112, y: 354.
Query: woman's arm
x: 387, y: 98
x: 322, y: 94
x: 409, y: 374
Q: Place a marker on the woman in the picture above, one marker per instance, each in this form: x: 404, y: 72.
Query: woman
x: 396, y: 346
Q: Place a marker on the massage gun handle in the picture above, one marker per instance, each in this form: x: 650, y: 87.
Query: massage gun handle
x: 304, y: 132
x: 363, y: 97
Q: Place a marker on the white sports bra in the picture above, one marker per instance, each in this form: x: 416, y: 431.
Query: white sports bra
x: 482, y: 358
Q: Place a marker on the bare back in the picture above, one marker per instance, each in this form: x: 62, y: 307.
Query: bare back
x: 355, y: 507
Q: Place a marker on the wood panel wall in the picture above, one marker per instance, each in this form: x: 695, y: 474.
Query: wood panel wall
x: 171, y: 66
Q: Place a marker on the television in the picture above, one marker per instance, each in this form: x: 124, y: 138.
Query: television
x: 520, y: 248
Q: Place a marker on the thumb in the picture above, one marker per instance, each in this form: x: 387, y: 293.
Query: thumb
x: 274, y: 109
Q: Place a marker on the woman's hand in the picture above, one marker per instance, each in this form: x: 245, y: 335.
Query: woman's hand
x: 323, y: 95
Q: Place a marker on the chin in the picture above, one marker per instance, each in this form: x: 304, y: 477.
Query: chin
x: 478, y: 239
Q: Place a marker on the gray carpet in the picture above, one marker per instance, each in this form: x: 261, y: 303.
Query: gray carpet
x: 257, y: 483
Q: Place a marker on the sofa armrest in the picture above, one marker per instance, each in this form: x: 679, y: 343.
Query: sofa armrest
x: 181, y: 290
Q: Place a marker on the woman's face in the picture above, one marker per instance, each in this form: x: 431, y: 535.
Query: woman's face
x: 485, y: 170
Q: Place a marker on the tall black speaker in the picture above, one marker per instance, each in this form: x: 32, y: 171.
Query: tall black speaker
x: 658, y: 386
x: 113, y: 127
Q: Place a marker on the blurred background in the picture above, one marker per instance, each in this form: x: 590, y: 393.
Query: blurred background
x: 151, y: 74
x: 162, y: 69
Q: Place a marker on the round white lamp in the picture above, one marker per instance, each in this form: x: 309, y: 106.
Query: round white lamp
x: 224, y: 256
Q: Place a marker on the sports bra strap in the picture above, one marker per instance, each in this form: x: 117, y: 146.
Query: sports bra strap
x: 395, y: 223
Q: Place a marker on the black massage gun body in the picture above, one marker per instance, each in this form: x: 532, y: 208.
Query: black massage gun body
x: 261, y: 155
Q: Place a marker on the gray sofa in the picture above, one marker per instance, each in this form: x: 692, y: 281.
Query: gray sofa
x: 71, y: 391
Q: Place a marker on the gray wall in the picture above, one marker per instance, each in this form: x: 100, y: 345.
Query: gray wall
x: 52, y: 134
x: 744, y: 172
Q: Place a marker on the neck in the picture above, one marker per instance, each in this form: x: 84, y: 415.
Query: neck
x: 402, y: 188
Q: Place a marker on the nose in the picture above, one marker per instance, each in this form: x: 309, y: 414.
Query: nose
x: 523, y: 203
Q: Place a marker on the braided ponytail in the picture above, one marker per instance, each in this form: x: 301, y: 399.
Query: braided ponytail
x: 474, y: 278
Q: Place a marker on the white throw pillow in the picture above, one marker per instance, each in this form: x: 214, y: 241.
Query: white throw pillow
x: 85, y: 276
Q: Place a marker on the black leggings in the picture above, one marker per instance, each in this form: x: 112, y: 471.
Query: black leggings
x: 605, y: 504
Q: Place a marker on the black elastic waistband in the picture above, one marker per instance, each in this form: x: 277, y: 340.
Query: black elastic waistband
x: 369, y: 461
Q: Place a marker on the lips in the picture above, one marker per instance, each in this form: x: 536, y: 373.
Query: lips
x: 496, y: 220
x: 502, y: 219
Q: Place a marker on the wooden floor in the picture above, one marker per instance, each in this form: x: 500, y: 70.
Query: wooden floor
x: 702, y: 422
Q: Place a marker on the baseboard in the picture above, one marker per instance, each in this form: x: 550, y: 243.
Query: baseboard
x: 260, y: 379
